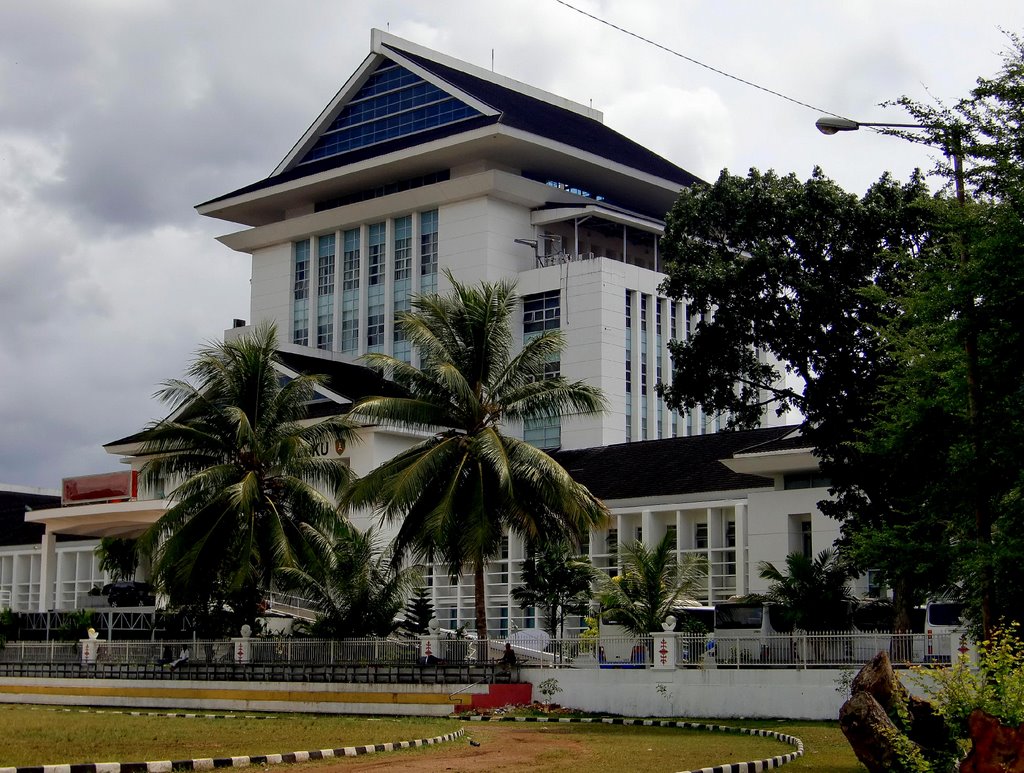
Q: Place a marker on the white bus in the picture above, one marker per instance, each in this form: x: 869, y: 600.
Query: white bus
x: 751, y: 632
x: 945, y: 631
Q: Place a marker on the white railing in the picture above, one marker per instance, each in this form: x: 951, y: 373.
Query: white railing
x: 795, y: 650
x: 833, y: 648
x: 292, y: 651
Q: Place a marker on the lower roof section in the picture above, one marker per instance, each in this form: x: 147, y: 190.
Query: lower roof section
x: 671, y: 466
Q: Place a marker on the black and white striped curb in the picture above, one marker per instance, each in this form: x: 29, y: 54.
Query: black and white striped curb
x: 154, y: 713
x: 166, y: 766
x: 733, y: 767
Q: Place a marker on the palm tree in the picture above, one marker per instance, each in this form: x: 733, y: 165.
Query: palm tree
x: 456, y: 493
x: 558, y: 582
x: 813, y: 592
x: 357, y: 590
x: 118, y: 557
x: 653, y: 584
x: 250, y: 492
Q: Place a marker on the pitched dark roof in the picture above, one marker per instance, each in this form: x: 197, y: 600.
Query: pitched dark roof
x: 517, y: 110
x: 674, y: 466
x: 544, y: 119
x: 347, y: 379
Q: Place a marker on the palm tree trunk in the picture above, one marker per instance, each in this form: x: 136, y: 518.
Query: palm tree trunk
x: 480, y: 601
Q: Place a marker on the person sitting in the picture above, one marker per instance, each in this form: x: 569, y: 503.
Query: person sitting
x: 182, y: 658
x: 508, y: 658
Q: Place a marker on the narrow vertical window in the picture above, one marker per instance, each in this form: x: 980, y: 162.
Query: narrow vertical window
x: 402, y: 350
x: 350, y: 291
x: 300, y: 297
x: 542, y: 312
x: 325, y: 292
x: 375, y: 258
x: 643, y: 365
x: 428, y: 252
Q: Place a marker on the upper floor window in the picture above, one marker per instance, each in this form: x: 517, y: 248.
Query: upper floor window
x: 541, y: 312
x: 375, y: 257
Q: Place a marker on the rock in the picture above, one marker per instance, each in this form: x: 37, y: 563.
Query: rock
x: 879, y: 680
x: 871, y: 722
x: 870, y: 732
x: 994, y: 747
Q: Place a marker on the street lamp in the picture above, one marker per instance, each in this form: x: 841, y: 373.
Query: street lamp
x: 829, y: 124
x: 953, y: 149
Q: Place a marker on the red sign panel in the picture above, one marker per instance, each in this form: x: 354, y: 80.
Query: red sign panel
x: 105, y: 487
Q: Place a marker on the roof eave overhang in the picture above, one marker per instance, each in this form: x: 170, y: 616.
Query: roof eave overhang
x: 495, y: 141
x: 773, y: 462
x: 105, y: 519
x: 544, y: 217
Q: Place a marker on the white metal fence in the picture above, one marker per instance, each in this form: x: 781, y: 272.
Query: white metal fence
x: 796, y: 650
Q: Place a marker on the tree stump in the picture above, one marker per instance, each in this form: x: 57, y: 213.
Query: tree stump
x: 871, y: 722
x: 994, y: 747
x: 870, y: 732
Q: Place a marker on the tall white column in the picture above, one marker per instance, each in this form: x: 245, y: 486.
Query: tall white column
x: 47, y: 570
x: 741, y: 550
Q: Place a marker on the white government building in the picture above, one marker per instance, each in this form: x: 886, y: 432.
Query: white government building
x: 423, y: 164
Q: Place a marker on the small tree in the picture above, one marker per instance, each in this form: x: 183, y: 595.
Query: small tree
x: 558, y: 582
x: 356, y: 588
x: 813, y: 592
x: 419, y: 610
x: 653, y: 584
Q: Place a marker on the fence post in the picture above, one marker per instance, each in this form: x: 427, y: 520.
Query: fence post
x: 665, y: 645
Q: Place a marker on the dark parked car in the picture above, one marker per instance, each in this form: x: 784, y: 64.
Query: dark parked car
x: 129, y: 594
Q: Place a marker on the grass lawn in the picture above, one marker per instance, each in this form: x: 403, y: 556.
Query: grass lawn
x: 37, y: 736
x: 40, y: 736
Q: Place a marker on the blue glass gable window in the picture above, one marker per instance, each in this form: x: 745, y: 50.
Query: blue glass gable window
x: 392, y: 103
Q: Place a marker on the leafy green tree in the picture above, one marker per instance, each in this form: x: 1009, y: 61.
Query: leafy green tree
x: 652, y: 585
x: 252, y: 488
x: 356, y: 589
x: 419, y: 611
x: 118, y: 557
x: 813, y: 592
x: 962, y: 313
x: 456, y: 493
x: 809, y: 274
x: 558, y: 582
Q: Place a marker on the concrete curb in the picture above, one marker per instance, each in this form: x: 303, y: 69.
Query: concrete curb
x: 166, y: 766
x: 733, y: 767
x: 178, y: 715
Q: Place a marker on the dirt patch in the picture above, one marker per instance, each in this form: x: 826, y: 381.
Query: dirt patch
x: 507, y: 748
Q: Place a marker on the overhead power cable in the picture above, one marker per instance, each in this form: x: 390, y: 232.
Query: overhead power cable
x: 698, y: 62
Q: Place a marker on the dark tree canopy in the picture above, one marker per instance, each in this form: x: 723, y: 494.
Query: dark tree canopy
x: 792, y: 281
x: 897, y: 317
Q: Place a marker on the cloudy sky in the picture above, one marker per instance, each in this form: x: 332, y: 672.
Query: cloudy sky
x: 118, y: 116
